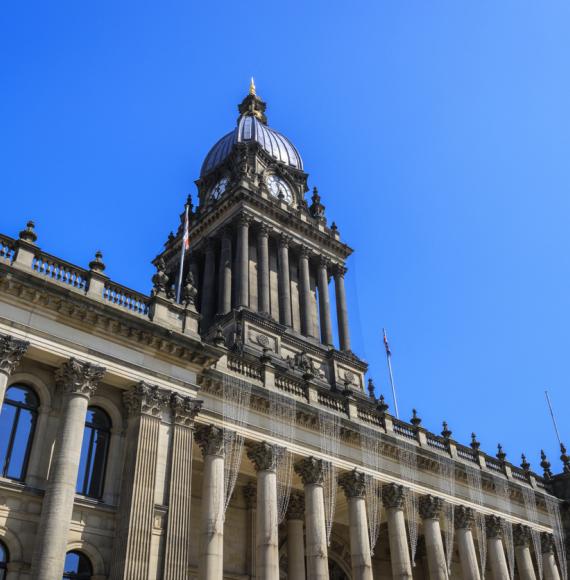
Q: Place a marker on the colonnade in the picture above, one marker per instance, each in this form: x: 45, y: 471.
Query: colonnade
x: 228, y: 255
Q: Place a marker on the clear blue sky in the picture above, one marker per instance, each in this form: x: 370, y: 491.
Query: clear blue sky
x: 436, y: 131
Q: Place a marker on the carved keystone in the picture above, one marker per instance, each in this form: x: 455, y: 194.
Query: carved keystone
x: 353, y: 483
x: 393, y: 496
x: 11, y: 352
x: 430, y: 507
x: 521, y: 535
x: 79, y: 377
x: 210, y: 439
x: 310, y: 470
x: 494, y: 526
x: 296, y: 507
x: 264, y: 456
x: 464, y: 518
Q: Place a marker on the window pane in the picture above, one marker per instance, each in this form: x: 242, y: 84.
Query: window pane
x: 22, y: 395
x: 83, y: 462
x: 21, y: 442
x: 99, y: 458
x: 7, y: 417
x: 98, y: 418
x: 77, y: 566
x: 3, y: 554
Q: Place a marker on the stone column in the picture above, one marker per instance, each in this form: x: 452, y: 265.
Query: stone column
x: 393, y: 496
x: 284, y: 282
x: 264, y: 457
x: 135, y: 518
x: 77, y: 380
x: 311, y: 472
x: 11, y: 352
x: 522, y: 537
x: 305, y: 293
x: 325, y: 303
x: 353, y: 484
x: 178, y: 528
x: 341, y: 309
x: 211, y: 442
x: 549, y: 566
x: 208, y: 283
x: 495, y: 549
x: 430, y: 511
x: 243, y: 260
x: 263, y: 269
x: 464, y: 518
x: 225, y: 273
x: 295, y: 537
x: 250, y: 497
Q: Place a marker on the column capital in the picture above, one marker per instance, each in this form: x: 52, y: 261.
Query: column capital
x: 264, y: 456
x: 245, y: 219
x: 353, y: 483
x: 78, y: 377
x: 430, y: 507
x: 250, y: 495
x: 305, y: 252
x: 184, y: 409
x: 310, y: 470
x: 146, y: 399
x: 546, y: 543
x: 11, y: 352
x: 285, y: 241
x: 211, y: 440
x: 393, y: 495
x: 296, y: 507
x: 464, y: 518
x: 263, y: 230
x: 494, y: 527
x: 339, y: 270
x: 521, y: 535
x: 324, y: 262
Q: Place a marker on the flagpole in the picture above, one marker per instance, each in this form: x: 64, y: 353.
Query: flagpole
x: 390, y: 373
x: 553, y: 419
x: 182, y: 255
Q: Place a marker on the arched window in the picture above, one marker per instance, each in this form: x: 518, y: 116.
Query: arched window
x: 17, y: 424
x: 3, y: 561
x: 77, y: 567
x: 94, y: 453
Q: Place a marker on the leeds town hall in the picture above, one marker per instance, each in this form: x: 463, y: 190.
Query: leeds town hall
x: 221, y: 427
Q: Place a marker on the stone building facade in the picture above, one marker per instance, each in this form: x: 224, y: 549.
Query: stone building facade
x: 223, y: 429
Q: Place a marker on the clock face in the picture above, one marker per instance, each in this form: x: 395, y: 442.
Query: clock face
x: 277, y: 187
x: 219, y: 189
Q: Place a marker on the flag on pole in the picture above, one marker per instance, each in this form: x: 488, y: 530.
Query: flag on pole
x: 184, y: 246
x: 386, y: 345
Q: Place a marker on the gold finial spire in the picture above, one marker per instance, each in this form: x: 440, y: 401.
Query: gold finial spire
x: 252, y: 87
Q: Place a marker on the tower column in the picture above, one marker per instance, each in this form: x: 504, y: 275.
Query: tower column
x: 305, y: 289
x: 284, y: 282
x: 341, y: 309
x: 311, y: 472
x: 464, y: 518
x: 208, y: 296
x: 393, y: 496
x: 243, y: 260
x: 11, y: 352
x: 324, y: 303
x: 225, y: 273
x: 495, y: 549
x: 78, y: 380
x: 430, y: 510
x: 264, y: 457
x: 521, y: 536
x: 295, y: 539
x: 548, y: 560
x: 211, y: 442
x: 263, y: 269
x: 361, y: 560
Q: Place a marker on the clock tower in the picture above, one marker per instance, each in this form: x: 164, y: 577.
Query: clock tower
x: 263, y: 263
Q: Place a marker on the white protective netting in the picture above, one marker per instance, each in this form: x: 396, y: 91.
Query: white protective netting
x: 409, y: 471
x: 447, y: 484
x: 504, y: 496
x: 553, y: 507
x: 476, y: 494
x: 329, y: 427
x: 532, y: 515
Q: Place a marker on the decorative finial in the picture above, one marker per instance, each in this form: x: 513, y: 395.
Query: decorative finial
x: 382, y: 405
x: 446, y: 433
x: 219, y: 339
x: 474, y: 443
x: 371, y: 389
x: 252, y: 87
x: 524, y: 463
x: 415, y: 420
x: 97, y: 264
x: 501, y: 455
x: 564, y: 458
x: 545, y: 464
x: 29, y: 234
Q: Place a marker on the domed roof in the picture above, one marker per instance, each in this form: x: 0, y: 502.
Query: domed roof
x: 252, y: 126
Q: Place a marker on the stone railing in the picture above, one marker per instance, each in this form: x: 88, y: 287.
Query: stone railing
x: 6, y: 249
x: 126, y: 298
x: 436, y: 441
x: 331, y: 402
x: 404, y: 429
x: 60, y: 271
x: 466, y: 453
x: 247, y: 369
x: 289, y: 385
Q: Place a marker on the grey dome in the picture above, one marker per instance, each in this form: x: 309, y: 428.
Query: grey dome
x: 250, y: 128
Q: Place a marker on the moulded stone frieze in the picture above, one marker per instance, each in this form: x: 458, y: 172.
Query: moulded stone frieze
x: 310, y: 470
x: 11, y: 352
x: 210, y: 439
x: 521, y: 535
x: 546, y: 543
x: 493, y: 524
x: 353, y: 483
x: 146, y: 399
x: 464, y: 517
x: 184, y: 409
x: 264, y: 456
x: 430, y: 507
x: 394, y: 495
x: 250, y: 495
x: 296, y: 506
x: 79, y: 377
